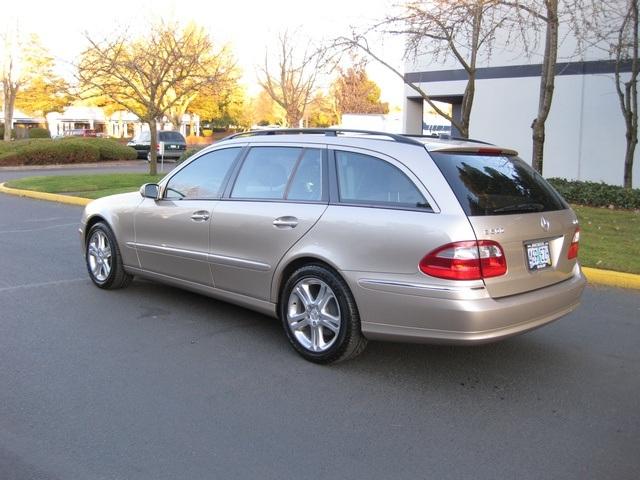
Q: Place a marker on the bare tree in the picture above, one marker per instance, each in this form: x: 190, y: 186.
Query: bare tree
x: 150, y: 75
x: 291, y: 83
x: 463, y: 30
x: 625, y: 50
x: 531, y: 13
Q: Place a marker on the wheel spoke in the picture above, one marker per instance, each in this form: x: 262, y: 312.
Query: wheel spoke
x: 298, y: 322
x: 323, y: 292
x: 93, y: 250
x: 317, y: 339
x: 331, y: 322
x: 106, y: 252
x: 96, y: 269
x: 302, y: 291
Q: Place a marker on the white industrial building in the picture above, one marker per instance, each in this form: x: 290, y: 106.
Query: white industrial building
x: 585, y: 133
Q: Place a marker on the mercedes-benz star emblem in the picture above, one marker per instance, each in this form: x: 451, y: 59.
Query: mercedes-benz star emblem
x: 544, y: 223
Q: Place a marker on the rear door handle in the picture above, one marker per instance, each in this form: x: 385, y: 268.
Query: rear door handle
x: 200, y: 216
x: 285, y: 222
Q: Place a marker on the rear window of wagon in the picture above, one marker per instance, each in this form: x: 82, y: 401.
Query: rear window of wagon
x: 496, y: 184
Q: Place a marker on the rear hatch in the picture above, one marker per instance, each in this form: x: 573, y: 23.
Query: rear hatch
x: 173, y: 141
x: 506, y: 201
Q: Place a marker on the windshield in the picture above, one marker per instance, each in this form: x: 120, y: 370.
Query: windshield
x: 496, y: 184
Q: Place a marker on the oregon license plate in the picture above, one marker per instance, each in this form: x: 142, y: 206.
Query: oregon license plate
x: 538, y: 255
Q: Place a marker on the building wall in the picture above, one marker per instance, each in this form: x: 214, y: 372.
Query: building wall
x: 584, y: 131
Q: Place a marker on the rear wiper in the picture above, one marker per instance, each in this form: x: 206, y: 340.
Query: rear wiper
x: 521, y: 207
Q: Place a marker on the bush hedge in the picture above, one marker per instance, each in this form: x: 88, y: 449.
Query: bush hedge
x: 596, y: 194
x: 63, y: 151
x: 37, y: 132
x: 109, y: 149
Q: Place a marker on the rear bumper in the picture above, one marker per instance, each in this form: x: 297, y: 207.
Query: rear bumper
x: 416, y: 316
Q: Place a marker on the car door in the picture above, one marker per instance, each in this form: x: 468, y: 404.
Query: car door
x: 278, y: 194
x: 172, y: 233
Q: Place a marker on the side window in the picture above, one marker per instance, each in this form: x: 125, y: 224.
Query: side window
x: 306, y: 184
x: 203, y: 178
x: 363, y: 179
x: 265, y: 172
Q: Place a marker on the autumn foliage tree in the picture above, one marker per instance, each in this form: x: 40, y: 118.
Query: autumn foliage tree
x: 27, y: 78
x: 151, y: 74
x: 223, y: 104
x: 354, y: 92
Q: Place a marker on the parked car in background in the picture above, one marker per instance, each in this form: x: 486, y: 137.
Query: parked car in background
x: 174, y: 144
x: 348, y: 236
x: 80, y: 132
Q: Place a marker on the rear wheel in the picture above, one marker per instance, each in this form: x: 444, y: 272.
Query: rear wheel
x: 320, y: 316
x: 103, y: 258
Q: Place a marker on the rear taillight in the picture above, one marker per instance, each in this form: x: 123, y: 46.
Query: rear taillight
x: 469, y: 260
x: 575, y: 245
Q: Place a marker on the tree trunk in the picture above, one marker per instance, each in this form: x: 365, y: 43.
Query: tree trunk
x: 628, y: 163
x: 293, y: 119
x: 632, y: 93
x: 9, y: 102
x: 153, y: 147
x: 467, y: 105
x: 547, y: 80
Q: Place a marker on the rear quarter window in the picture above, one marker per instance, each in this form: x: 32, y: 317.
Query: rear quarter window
x: 496, y: 184
x: 367, y: 180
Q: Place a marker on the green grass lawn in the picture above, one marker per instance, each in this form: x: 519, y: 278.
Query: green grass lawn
x: 610, y: 239
x: 87, y: 186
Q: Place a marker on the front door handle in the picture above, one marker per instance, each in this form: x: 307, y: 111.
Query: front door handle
x: 200, y: 216
x: 285, y: 222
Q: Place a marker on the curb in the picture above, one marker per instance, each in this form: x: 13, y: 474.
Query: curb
x: 51, y: 197
x: 594, y: 275
x: 611, y: 278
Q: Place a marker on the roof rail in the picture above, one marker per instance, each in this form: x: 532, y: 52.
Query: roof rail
x: 329, y: 132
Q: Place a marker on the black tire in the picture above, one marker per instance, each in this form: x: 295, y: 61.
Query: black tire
x: 349, y: 341
x: 117, y: 276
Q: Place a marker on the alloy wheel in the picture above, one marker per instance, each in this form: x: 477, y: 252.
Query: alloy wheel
x: 313, y: 314
x: 99, y: 256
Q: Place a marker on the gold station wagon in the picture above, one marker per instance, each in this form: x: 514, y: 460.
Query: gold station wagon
x: 349, y: 235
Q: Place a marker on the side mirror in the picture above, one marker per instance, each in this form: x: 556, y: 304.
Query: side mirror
x: 150, y: 190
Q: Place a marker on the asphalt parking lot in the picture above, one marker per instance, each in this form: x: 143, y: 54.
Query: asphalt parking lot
x: 153, y: 382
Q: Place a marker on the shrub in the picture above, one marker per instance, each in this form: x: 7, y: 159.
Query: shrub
x: 48, y: 152
x: 596, y: 194
x: 189, y: 152
x: 110, y: 149
x: 38, y: 132
x: 64, y: 151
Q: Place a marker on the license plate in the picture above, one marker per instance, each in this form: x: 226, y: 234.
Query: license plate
x: 538, y: 255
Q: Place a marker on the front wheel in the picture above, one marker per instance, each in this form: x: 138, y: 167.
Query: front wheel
x: 320, y: 316
x: 103, y: 258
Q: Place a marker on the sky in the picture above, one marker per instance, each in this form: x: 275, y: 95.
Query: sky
x: 249, y: 26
